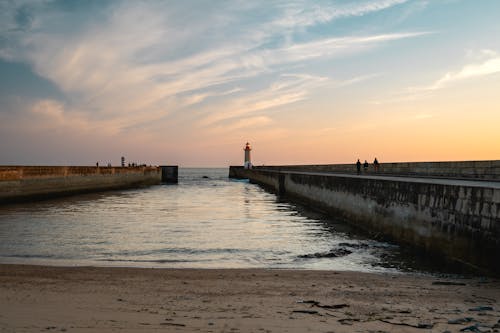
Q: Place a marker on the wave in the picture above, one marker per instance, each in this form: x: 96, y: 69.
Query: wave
x: 156, y: 261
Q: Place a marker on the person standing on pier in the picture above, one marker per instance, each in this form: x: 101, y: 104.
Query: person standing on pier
x: 365, y: 166
x: 376, y: 165
x: 358, y: 166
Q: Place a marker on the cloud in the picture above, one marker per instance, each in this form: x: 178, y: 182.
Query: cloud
x: 357, y: 79
x: 330, y: 47
x: 242, y: 123
x: 49, y: 109
x: 486, y: 62
x: 141, y: 67
x: 299, y: 14
x: 48, y: 114
x: 287, y: 89
x: 487, y: 67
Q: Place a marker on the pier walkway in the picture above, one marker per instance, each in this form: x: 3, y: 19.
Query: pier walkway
x: 488, y: 183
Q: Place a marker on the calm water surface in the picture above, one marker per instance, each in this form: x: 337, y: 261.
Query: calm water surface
x: 206, y: 221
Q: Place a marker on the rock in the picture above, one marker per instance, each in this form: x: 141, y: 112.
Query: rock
x: 460, y: 321
x: 419, y: 325
x: 330, y: 254
x: 425, y: 325
x: 347, y: 321
x: 448, y: 283
x: 324, y: 306
x: 173, y: 324
x: 472, y: 328
x: 335, y: 306
x: 306, y: 311
x: 481, y: 308
x: 308, y: 302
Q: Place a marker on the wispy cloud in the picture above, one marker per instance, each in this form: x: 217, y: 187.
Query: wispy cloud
x: 469, y: 71
x: 330, y: 47
x: 135, y: 66
x: 289, y: 88
x: 242, y: 123
x: 357, y: 79
x: 485, y: 62
x: 299, y: 14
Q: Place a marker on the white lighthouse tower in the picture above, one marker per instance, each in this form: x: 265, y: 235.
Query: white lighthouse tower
x: 248, y: 163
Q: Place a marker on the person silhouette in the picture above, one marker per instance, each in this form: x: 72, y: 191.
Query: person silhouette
x: 376, y: 165
x: 358, y: 166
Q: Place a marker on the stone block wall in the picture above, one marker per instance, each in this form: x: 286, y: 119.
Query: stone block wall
x: 20, y: 183
x: 461, y: 222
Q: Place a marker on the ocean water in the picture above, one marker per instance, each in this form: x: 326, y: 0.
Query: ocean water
x: 205, y: 221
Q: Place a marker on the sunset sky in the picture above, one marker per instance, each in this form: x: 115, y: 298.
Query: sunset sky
x: 305, y: 82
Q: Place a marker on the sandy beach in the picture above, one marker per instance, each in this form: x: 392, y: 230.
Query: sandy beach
x: 88, y: 299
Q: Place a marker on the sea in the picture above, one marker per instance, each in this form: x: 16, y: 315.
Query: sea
x: 205, y: 221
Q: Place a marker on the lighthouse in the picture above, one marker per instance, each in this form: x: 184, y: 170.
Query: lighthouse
x: 248, y: 163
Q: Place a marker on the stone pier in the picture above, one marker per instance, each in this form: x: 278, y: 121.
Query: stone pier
x: 448, y: 211
x: 23, y: 183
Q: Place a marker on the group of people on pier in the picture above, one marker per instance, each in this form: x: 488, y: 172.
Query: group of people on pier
x: 376, y: 166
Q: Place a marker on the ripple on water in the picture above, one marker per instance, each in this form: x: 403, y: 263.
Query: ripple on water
x: 211, y: 222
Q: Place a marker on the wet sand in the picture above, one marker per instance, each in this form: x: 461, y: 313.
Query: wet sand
x: 88, y: 299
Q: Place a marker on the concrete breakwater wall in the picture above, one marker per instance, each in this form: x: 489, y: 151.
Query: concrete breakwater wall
x: 18, y: 183
x: 486, y: 170
x: 457, y: 219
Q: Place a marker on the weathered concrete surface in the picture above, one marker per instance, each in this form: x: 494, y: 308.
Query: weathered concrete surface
x: 458, y: 219
x: 169, y: 174
x: 19, y: 183
x: 463, y: 170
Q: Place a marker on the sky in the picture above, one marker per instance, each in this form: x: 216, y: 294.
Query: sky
x: 305, y: 82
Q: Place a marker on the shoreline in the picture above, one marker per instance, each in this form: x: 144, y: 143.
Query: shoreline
x: 126, y: 299
x: 451, y: 270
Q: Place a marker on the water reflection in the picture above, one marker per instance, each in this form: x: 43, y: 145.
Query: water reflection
x: 204, y: 221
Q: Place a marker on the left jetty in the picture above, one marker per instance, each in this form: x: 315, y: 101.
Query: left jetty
x: 26, y: 183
